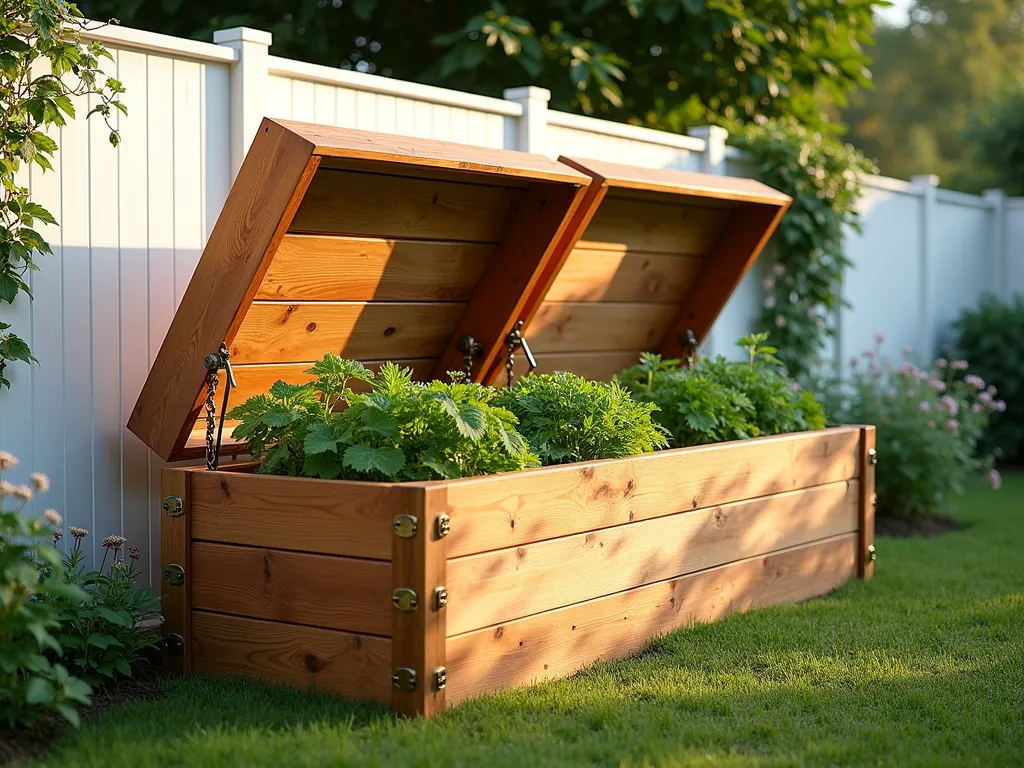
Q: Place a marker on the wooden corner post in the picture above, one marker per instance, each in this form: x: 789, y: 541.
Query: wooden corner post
x: 175, y: 545
x: 866, y: 538
x: 419, y: 597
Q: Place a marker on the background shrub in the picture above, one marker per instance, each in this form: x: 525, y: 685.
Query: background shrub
x: 990, y: 336
x: 720, y: 400
x: 928, y: 427
x: 400, y: 430
x: 101, y: 621
x: 32, y: 683
x: 567, y: 418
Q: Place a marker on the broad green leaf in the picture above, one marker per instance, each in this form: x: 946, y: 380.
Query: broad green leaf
x: 39, y: 690
x: 364, y: 458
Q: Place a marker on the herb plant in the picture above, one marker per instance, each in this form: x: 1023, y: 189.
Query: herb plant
x: 567, y: 418
x: 33, y: 682
x: 101, y: 630
x: 928, y: 427
x: 720, y: 400
x: 400, y: 430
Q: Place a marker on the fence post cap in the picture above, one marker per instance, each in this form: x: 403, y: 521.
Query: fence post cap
x: 242, y: 35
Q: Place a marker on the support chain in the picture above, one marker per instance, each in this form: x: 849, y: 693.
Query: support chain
x: 214, y: 362
x: 469, y: 347
x: 689, y: 343
x: 515, y: 340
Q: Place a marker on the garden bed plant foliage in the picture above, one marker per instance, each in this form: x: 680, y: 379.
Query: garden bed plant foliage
x: 718, y: 399
x: 929, y: 423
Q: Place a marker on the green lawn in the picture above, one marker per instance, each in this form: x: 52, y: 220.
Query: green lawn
x: 922, y: 666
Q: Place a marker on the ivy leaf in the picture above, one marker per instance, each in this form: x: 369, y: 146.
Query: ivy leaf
x: 363, y: 458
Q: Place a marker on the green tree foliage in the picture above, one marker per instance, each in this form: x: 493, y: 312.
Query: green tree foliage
x: 995, y: 136
x: 43, y: 63
x: 930, y: 77
x: 664, y: 63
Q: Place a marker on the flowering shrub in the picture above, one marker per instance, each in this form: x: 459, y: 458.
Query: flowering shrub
x: 928, y: 426
x: 32, y: 683
x: 721, y: 400
x: 101, y: 625
x: 567, y: 418
x: 990, y: 336
x: 400, y: 430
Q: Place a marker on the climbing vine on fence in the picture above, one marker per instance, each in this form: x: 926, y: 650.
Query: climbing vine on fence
x: 43, y: 63
x: 821, y: 174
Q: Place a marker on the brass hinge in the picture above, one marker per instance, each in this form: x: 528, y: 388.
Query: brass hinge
x: 173, y: 506
x: 174, y: 574
x: 440, y: 598
x: 442, y: 525
x: 440, y: 678
x: 405, y: 526
x: 405, y: 599
x: 404, y: 679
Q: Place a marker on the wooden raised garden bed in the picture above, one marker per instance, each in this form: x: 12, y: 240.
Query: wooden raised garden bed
x: 421, y: 594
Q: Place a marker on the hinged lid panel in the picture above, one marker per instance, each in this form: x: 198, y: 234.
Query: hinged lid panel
x: 372, y: 246
x: 651, y: 255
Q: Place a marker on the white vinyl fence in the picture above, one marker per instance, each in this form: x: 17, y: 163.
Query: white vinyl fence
x: 134, y: 221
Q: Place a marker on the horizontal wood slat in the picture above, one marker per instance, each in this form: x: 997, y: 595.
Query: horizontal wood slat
x: 648, y: 226
x: 333, y: 268
x: 591, y: 327
x: 355, y: 666
x: 591, y: 274
x: 283, y: 332
x: 562, y: 641
x: 331, y: 517
x: 511, y: 583
x: 507, y: 511
x: 318, y: 590
x: 372, y: 205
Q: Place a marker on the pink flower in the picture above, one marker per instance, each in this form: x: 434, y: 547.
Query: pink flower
x: 853, y: 362
x: 941, y: 362
x: 985, y: 398
x: 1000, y: 405
x: 908, y: 350
x: 976, y: 408
x: 778, y: 269
x: 876, y: 370
x: 953, y: 425
x: 795, y: 386
x: 891, y: 392
x: 960, y: 365
x: 939, y: 386
x: 879, y: 338
x: 868, y: 354
x: 931, y: 424
x: 992, y: 390
x: 951, y: 405
x: 780, y: 321
x: 925, y: 406
x: 912, y: 393
x: 769, y: 283
x: 769, y: 303
x: 975, y: 381
x: 995, y: 479
x: 921, y: 375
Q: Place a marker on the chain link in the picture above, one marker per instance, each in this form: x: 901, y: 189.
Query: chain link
x: 469, y: 347
x: 212, y: 380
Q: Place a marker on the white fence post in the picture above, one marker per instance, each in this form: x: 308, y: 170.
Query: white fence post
x: 712, y: 160
x: 249, y: 86
x: 532, y: 130
x: 928, y: 184
x: 996, y: 198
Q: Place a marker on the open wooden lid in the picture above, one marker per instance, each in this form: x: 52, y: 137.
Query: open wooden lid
x: 651, y: 254
x: 373, y: 246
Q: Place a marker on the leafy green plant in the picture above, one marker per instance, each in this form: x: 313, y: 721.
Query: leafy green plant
x: 101, y: 630
x: 720, y: 400
x: 400, y: 430
x: 34, y: 98
x: 567, y: 418
x: 928, y: 423
x: 32, y: 683
x: 989, y: 336
x: 822, y: 175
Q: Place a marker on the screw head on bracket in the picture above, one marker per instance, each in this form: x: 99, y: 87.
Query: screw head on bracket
x: 405, y: 526
x: 440, y: 598
x: 173, y: 506
x: 404, y: 679
x: 440, y: 678
x: 174, y: 574
x: 405, y: 599
x: 872, y: 555
x: 442, y: 525
x: 872, y: 456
